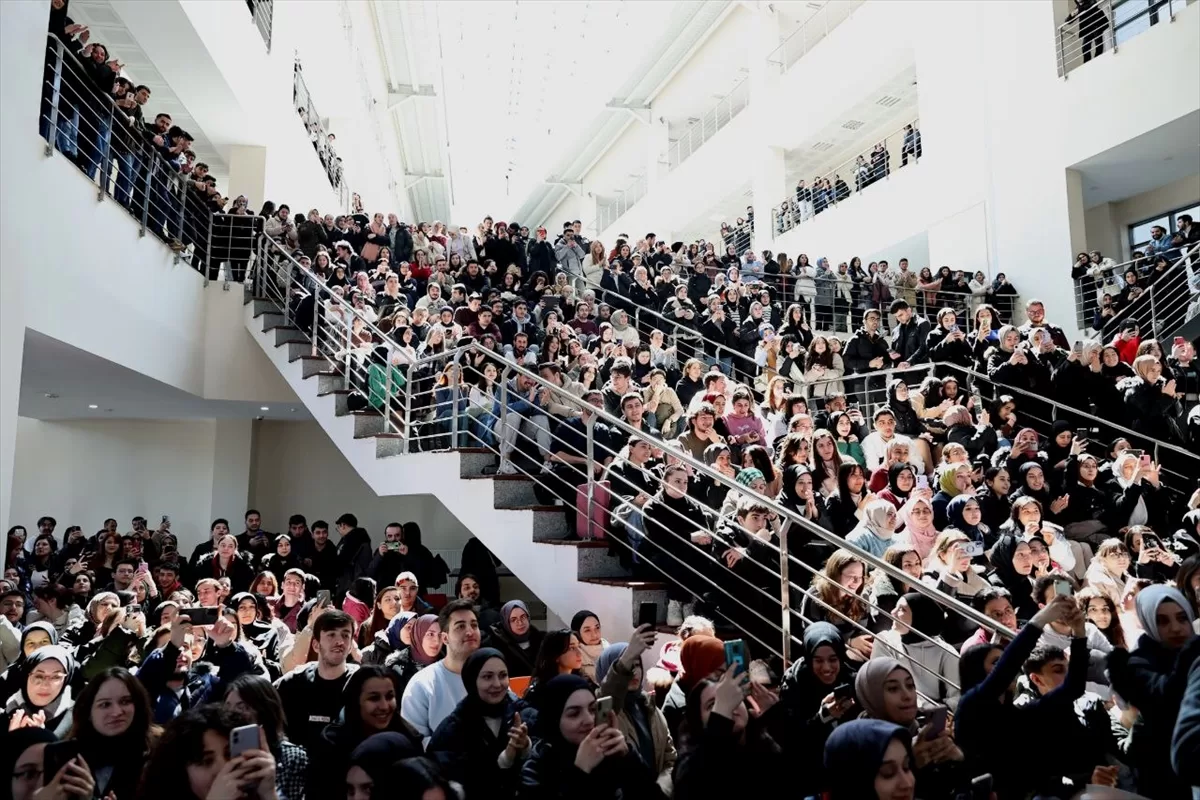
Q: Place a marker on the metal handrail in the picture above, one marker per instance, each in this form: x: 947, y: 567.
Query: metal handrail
x: 815, y: 28
x: 791, y: 212
x: 703, y: 129
x: 1104, y: 32
x: 1083, y: 306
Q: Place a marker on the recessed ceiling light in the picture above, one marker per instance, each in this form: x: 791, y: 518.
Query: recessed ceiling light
x: 51, y: 396
x: 93, y: 406
x: 264, y: 408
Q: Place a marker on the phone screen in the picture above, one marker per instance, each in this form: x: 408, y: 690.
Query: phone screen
x: 648, y: 614
x: 735, y: 653
x: 922, y: 482
x: 323, y: 597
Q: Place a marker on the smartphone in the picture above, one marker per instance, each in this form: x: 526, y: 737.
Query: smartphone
x: 604, y: 707
x: 166, y: 519
x: 648, y: 614
x: 1077, y: 348
x: 735, y: 654
x: 843, y: 691
x: 1063, y: 588
x: 133, y: 609
x: 922, y: 481
x: 1138, y: 454
x: 199, y: 615
x: 393, y: 546
x: 973, y: 549
x: 1179, y: 340
x: 323, y: 598
x: 954, y: 329
x: 1145, y: 460
x: 936, y: 723
x: 1151, y: 543
x: 241, y: 739
x: 981, y: 787
x: 56, y: 755
x: 143, y: 568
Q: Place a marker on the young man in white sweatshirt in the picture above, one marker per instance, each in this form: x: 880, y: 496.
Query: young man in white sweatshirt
x: 436, y: 690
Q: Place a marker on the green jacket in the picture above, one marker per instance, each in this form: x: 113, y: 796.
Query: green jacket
x: 377, y: 380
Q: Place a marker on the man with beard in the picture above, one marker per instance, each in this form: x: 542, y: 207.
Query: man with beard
x: 191, y: 669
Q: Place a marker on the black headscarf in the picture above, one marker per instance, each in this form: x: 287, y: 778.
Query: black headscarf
x: 788, y: 498
x: 552, y: 700
x: 927, y: 618
x: 854, y: 752
x: 256, y: 631
x: 15, y: 744
x: 378, y: 753
x: 1055, y: 452
x: 804, y: 689
x: 894, y: 472
x: 470, y: 677
x: 1002, y: 564
x: 971, y: 669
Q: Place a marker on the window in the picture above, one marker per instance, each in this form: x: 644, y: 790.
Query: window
x: 1139, y: 234
x: 1131, y: 17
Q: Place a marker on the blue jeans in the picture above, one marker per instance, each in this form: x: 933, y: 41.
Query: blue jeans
x: 66, y: 133
x: 129, y: 166
x: 103, y: 140
x: 724, y: 362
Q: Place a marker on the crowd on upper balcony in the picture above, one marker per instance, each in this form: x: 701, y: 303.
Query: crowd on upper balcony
x: 322, y: 140
x: 1114, y: 294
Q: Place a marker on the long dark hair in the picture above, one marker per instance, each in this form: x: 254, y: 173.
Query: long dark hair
x: 142, y: 729
x: 260, y: 696
x: 182, y: 743
x: 352, y: 712
x: 554, y: 645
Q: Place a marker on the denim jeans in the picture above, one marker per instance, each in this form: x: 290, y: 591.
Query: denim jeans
x: 65, y: 135
x: 724, y: 362
x: 129, y: 166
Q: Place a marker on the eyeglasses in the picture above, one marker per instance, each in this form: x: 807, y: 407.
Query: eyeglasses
x: 41, y: 679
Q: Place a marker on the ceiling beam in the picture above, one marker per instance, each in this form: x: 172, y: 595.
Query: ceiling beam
x: 399, y: 94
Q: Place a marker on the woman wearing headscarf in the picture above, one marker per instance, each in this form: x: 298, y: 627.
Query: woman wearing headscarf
x: 1137, y: 493
x: 993, y: 496
x: 949, y: 569
x: 797, y: 493
x: 902, y: 480
x: 869, y: 759
x: 887, y: 691
x: 371, y: 768
x: 877, y: 528
x: 1012, y: 569
x: 517, y: 638
x: 701, y: 656
x: 964, y: 514
x: 1152, y: 678
x: 586, y: 627
x: 721, y: 729
x: 1024, y: 450
x: 644, y: 726
x: 424, y: 647
x: 915, y: 641
x: 809, y: 705
x: 918, y: 531
x: 569, y: 743
x: 35, y: 636
x: 1152, y: 405
x: 45, y: 694
x: 953, y: 480
x: 483, y: 742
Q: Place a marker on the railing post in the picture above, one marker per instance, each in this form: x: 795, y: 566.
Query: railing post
x: 182, y: 184
x: 455, y: 395
x: 408, y: 425
x: 316, y: 327
x: 55, y: 96
x: 208, y: 251
x: 503, y: 419
x: 785, y: 596
x: 1153, y: 311
x: 105, y: 156
x: 387, y: 391
x: 152, y: 164
x: 1062, y: 63
x: 589, y: 424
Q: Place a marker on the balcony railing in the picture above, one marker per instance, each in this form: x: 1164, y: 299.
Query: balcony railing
x: 814, y: 29
x: 318, y: 135
x: 609, y: 211
x: 713, y: 120
x: 1161, y: 302
x: 263, y: 12
x: 1103, y: 27
x: 848, y: 179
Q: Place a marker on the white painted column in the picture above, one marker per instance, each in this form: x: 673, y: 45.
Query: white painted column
x: 23, y: 38
x: 233, y: 459
x: 248, y: 175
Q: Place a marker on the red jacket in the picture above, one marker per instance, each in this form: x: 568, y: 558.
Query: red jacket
x: 1126, y: 349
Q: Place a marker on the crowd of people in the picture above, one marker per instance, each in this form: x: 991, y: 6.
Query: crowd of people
x: 322, y: 140
x: 285, y: 665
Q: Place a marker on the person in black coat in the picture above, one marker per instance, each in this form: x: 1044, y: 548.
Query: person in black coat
x: 226, y: 562
x: 841, y: 507
x: 1012, y: 569
x: 1152, y: 678
x: 948, y: 342
x: 908, y: 341
x: 483, y: 743
x: 1151, y: 405
x: 540, y: 255
x: 516, y: 638
x: 572, y: 756
x: 866, y: 352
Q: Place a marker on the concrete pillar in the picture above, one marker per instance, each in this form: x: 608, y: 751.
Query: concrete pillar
x: 248, y: 175
x: 23, y: 33
x: 233, y: 450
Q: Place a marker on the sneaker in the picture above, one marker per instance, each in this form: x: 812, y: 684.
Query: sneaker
x: 506, y: 467
x: 674, y: 613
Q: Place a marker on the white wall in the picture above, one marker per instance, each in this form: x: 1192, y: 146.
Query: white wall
x: 1107, y: 224
x: 82, y: 472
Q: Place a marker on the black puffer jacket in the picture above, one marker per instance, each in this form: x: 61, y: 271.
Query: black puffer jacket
x: 1150, y: 412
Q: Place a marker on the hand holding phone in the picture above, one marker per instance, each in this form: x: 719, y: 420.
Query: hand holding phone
x: 936, y: 723
x: 735, y: 655
x: 604, y: 708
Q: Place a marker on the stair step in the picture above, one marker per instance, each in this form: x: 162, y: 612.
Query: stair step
x: 270, y: 320
x: 311, y: 364
x: 287, y: 334
x: 582, y: 544
x: 631, y: 583
x: 367, y: 423
x: 330, y: 382
x: 472, y: 460
x: 510, y: 491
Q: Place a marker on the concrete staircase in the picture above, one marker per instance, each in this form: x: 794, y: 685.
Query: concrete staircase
x: 501, y: 510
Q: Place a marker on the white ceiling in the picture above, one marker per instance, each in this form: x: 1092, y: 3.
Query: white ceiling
x: 1154, y: 159
x: 79, y: 379
x: 108, y: 30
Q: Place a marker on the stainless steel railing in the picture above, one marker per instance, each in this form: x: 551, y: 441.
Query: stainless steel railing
x: 814, y: 29
x: 710, y: 122
x: 263, y: 12
x: 1166, y: 301
x: 314, y: 126
x: 1104, y: 25
x: 89, y: 128
x: 848, y: 179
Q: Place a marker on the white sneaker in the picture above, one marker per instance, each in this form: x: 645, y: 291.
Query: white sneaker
x: 674, y: 613
x: 506, y: 468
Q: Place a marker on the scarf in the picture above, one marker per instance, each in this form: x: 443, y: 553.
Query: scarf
x: 927, y: 618
x: 700, y: 657
x: 745, y: 477
x: 1148, y: 601
x: 954, y: 518
x: 921, y: 538
x: 470, y: 678
x: 417, y: 648
x: 396, y: 626
x: 868, y: 684
x: 875, y: 518
x: 506, y: 612
x: 854, y: 752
